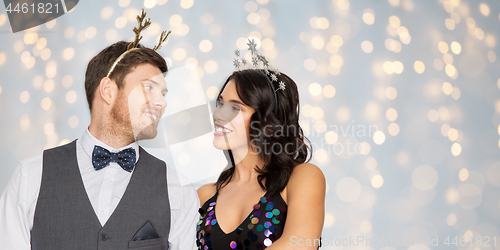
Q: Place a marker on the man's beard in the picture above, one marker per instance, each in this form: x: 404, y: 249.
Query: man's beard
x: 133, y: 128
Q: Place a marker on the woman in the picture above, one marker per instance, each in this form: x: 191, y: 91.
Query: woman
x: 268, y: 181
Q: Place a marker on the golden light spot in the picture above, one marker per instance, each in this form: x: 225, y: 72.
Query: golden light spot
x: 68, y: 53
x: 48, y: 86
x: 449, y: 23
x: 447, y: 58
x: 393, y: 129
x: 49, y: 129
x: 452, y: 196
x: 367, y: 46
x: 179, y: 54
x: 51, y: 69
x: 419, y: 67
x: 336, y: 61
x: 456, y: 149
x: 479, y: 33
x: 490, y: 40
x: 315, y: 89
x: 320, y: 126
x: 394, y: 2
x: 342, y: 4
x: 25, y: 122
x: 463, y: 175
x: 207, y: 18
x: 388, y: 68
x: 368, y: 16
x: 377, y: 181
x: 443, y: 47
x: 492, y: 57
x: 372, y: 109
x: 364, y: 148
x: 46, y: 103
x: 444, y: 129
x: 484, y: 9
x: 329, y: 91
x: 123, y: 3
x: 67, y: 81
x: 69, y: 32
x: 321, y: 155
x: 205, y: 46
x: 106, y: 12
x: 337, y: 41
x: 438, y: 64
x: 120, y: 22
x: 317, y: 113
x: 402, y: 158
x: 111, y: 35
x: 447, y: 88
x: 253, y: 18
x: 30, y: 63
x: 175, y: 20
x: 41, y: 43
x: 18, y: 46
x: 267, y: 44
x: 391, y: 93
x: 211, y: 66
x: 331, y: 137
x: 452, y: 134
x: 433, y: 115
x: 251, y: 6
x: 25, y: 56
x: 307, y: 110
x: 24, y: 97
x: 451, y: 219
x: 182, y: 29
x: 450, y: 70
x: 73, y: 121
x: 456, y: 48
x: 3, y: 18
x: 212, y: 92
x: 186, y: 4
x: 322, y: 23
x: 370, y: 163
x: 318, y: 42
x: 30, y: 37
x: 71, y: 96
x: 455, y: 17
x: 391, y: 114
x: 398, y: 67
x: 378, y: 137
x: 455, y: 94
x: 310, y: 64
x: 394, y: 21
x: 343, y: 114
x: 471, y: 23
x: 149, y: 4
x: 468, y: 236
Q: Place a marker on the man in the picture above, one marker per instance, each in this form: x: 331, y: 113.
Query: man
x: 104, y: 191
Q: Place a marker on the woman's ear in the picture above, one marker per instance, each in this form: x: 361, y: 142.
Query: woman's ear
x: 108, y: 90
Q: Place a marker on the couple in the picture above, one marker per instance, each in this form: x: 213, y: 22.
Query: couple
x: 103, y: 191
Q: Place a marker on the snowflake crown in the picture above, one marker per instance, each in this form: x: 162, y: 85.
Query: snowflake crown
x: 257, y: 58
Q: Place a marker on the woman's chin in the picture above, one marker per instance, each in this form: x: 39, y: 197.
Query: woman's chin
x: 221, y: 145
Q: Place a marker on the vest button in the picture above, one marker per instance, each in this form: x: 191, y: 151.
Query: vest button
x: 104, y: 237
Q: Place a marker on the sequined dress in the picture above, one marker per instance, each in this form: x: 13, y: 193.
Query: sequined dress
x: 260, y: 229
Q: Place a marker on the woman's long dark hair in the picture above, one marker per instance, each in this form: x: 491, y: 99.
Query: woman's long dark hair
x: 277, y: 136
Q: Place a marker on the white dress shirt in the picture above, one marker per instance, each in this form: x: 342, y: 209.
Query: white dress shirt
x: 104, y: 188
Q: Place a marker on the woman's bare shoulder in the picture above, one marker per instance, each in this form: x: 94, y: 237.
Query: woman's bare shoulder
x: 206, y: 191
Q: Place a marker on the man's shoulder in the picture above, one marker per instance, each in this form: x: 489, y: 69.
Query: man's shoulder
x: 32, y: 162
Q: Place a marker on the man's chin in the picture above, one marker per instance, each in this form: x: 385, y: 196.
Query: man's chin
x: 147, y: 134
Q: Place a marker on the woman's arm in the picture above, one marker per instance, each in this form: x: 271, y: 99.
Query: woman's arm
x: 306, y: 209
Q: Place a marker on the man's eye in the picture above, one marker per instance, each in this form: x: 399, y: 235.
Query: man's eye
x: 147, y: 87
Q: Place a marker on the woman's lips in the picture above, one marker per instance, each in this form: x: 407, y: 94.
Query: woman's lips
x: 221, y: 130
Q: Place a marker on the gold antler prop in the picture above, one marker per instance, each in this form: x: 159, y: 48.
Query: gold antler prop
x: 142, y: 25
x: 163, y: 39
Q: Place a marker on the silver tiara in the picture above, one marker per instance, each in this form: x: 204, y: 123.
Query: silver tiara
x: 257, y: 60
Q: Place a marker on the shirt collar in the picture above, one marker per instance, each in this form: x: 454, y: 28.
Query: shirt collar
x: 89, y: 141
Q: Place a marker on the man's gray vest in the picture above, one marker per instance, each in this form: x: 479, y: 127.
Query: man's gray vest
x: 64, y: 217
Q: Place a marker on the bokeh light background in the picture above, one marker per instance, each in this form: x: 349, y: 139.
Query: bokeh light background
x: 400, y: 98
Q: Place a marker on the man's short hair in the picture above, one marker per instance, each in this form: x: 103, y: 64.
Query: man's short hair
x: 100, y: 64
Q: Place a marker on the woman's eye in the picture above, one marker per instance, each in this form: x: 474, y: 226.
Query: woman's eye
x: 236, y: 108
x: 218, y: 103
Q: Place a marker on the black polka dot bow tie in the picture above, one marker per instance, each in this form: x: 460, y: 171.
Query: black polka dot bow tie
x: 101, y: 157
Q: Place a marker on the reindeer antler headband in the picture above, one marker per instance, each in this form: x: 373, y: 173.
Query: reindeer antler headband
x: 143, y: 24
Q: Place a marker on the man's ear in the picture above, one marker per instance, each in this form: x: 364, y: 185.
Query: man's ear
x: 108, y: 90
